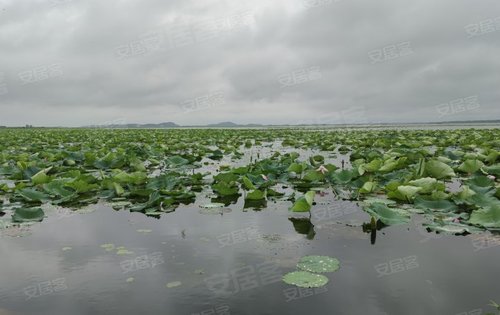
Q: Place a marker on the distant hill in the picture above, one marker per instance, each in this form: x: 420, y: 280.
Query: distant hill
x: 151, y: 126
x: 226, y: 124
x: 165, y: 125
x: 229, y: 124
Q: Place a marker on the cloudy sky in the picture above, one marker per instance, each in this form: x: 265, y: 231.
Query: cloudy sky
x: 91, y: 62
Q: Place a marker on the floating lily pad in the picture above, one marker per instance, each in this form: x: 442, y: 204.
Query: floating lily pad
x: 256, y: 195
x: 214, y: 211
x: 174, y: 284
x: 451, y: 228
x: 212, y: 205
x: 108, y: 247
x: 318, y: 264
x: 388, y: 216
x: 370, y: 201
x: 486, y: 217
x: 123, y: 251
x: 304, y: 279
x: 28, y: 215
x: 435, y: 205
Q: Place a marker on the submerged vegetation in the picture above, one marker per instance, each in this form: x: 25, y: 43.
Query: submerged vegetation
x: 449, y: 177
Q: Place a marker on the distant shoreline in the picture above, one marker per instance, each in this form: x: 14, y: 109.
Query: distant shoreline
x: 466, y: 124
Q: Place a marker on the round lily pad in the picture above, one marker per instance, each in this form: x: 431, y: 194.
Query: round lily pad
x: 122, y: 252
x: 318, y: 264
x: 304, y: 279
x: 174, y: 284
x: 214, y: 210
x: 28, y: 215
x: 212, y: 205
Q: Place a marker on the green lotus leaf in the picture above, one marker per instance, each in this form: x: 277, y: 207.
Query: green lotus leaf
x: 297, y: 168
x: 215, y: 210
x: 438, y: 169
x: 470, y: 166
x: 28, y: 215
x: 118, y: 189
x: 313, y: 176
x: 225, y: 189
x: 435, y: 205
x: 173, y: 284
x: 342, y: 177
x: 176, y: 161
x: 318, y: 264
x: 481, y: 200
x: 304, y: 279
x: 428, y: 184
x: 247, y: 183
x: 317, y: 160
x: 256, y: 195
x: 41, y: 177
x: 32, y: 195
x: 56, y: 187
x: 464, y: 193
x: 493, y: 170
x: 368, y: 187
x: 212, y: 205
x: 165, y: 181
x: 409, y: 192
x: 274, y: 193
x: 373, y: 166
x: 304, y: 203
x: 81, y: 185
x: 388, y: 216
x: 451, y: 228
x: 227, y: 177
x: 135, y: 178
x: 389, y: 165
x: 486, y: 217
x: 370, y: 201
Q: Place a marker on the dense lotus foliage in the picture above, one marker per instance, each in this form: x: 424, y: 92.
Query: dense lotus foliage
x: 448, y: 176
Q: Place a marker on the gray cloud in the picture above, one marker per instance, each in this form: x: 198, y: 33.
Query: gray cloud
x: 75, y: 62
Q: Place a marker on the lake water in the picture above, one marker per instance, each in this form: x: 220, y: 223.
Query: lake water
x: 231, y: 260
x: 234, y: 261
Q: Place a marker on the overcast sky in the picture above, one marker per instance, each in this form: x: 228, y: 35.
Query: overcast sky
x: 91, y: 62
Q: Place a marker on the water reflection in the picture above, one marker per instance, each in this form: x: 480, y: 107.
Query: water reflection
x: 194, y: 247
x: 372, y: 229
x: 303, y: 226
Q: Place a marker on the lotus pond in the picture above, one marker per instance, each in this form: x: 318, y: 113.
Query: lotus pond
x: 264, y: 221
